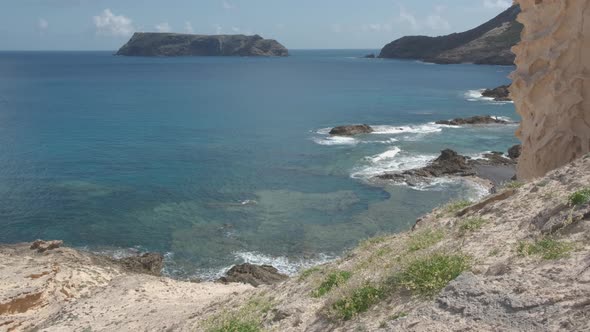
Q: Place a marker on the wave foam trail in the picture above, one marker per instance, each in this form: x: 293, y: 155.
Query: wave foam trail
x: 427, y: 128
x: 390, y: 161
x: 389, y: 154
x: 336, y: 140
x: 285, y: 265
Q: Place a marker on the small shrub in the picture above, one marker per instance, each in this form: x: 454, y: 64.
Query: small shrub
x: 425, y: 239
x: 580, y: 197
x: 399, y: 315
x: 358, y: 302
x: 457, y: 206
x: 426, y: 276
x: 471, y: 225
x: 333, y: 280
x: 307, y: 273
x: 237, y: 325
x: 547, y: 247
x: 248, y: 318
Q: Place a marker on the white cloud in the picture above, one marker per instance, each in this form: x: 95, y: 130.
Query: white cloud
x: 218, y: 29
x: 163, y: 27
x: 235, y: 29
x: 43, y: 24
x: 228, y: 6
x: 336, y: 28
x: 497, y: 4
x: 188, y: 27
x: 108, y: 23
x: 408, y: 18
x: 376, y: 27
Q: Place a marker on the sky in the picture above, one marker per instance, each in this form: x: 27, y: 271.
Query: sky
x: 302, y: 24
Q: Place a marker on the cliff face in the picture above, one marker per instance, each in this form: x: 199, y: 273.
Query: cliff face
x: 489, y: 43
x: 551, y: 85
x: 172, y: 44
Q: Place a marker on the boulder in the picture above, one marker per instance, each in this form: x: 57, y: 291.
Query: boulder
x: 254, y: 275
x: 448, y: 163
x: 514, y: 152
x: 501, y: 93
x: 351, y: 130
x: 149, y: 263
x: 474, y: 120
x: 43, y: 246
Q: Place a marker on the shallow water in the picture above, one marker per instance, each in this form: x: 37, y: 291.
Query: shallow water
x: 215, y: 161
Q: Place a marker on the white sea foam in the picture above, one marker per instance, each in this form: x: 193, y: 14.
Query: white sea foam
x: 387, y: 155
x: 427, y: 128
x: 477, y: 95
x: 393, y: 160
x: 335, y: 140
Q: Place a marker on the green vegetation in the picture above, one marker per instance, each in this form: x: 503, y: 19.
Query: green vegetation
x: 246, y: 319
x: 457, y: 206
x: 358, y: 302
x: 373, y: 241
x: 494, y: 252
x: 514, y: 184
x: 425, y: 239
x: 237, y: 325
x: 580, y: 197
x: 307, y: 273
x: 333, y: 280
x: 426, y: 276
x: 471, y: 225
x: 399, y: 315
x: 547, y: 247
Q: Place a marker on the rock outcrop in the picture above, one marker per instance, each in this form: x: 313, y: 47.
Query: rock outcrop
x: 254, y: 275
x: 489, y: 43
x: 474, y: 120
x: 551, y: 85
x: 501, y: 93
x: 149, y: 263
x: 515, y: 151
x: 450, y: 163
x: 174, y: 44
x: 351, y: 130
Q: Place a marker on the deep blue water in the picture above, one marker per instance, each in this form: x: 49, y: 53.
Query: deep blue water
x: 216, y: 160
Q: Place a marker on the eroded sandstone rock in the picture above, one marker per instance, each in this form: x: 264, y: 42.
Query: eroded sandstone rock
x: 551, y: 85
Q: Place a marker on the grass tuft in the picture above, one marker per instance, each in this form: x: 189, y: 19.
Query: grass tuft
x: 247, y: 318
x: 333, y: 280
x: 307, y: 273
x: 425, y: 239
x: 471, y: 225
x: 237, y: 325
x: 457, y: 206
x: 580, y: 197
x: 547, y: 247
x: 427, y: 276
x: 358, y: 302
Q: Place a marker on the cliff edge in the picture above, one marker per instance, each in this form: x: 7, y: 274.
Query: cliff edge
x: 551, y: 85
x: 489, y: 43
x: 173, y: 44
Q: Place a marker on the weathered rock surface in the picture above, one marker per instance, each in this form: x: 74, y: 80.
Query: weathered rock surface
x: 173, y: 44
x: 515, y: 151
x: 351, y: 130
x: 551, y: 84
x: 474, y: 120
x: 489, y: 43
x: 150, y: 263
x: 43, y: 246
x: 254, y: 275
x: 501, y: 93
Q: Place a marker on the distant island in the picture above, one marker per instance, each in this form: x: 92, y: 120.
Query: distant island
x: 490, y: 43
x: 174, y: 44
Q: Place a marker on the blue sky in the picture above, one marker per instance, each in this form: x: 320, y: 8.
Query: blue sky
x: 303, y: 24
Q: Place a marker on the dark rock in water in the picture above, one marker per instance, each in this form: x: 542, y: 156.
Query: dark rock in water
x: 254, y: 275
x: 474, y: 120
x: 449, y: 163
x: 514, y: 152
x: 490, y: 43
x: 370, y: 56
x: 351, y: 130
x: 174, y: 44
x: 501, y: 93
x: 150, y: 263
x: 43, y: 246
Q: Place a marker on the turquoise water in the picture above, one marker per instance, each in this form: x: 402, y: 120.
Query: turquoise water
x: 219, y: 160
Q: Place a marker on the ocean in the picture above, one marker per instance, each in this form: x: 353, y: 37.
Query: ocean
x: 217, y: 161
